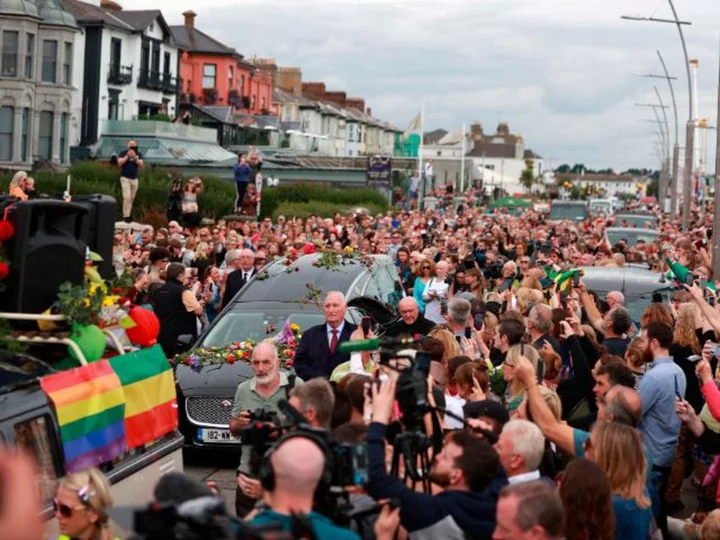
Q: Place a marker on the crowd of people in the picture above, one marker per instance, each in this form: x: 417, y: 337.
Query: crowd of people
x: 555, y: 413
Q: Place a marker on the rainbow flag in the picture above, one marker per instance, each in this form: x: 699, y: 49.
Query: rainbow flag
x: 90, y: 406
x: 149, y: 388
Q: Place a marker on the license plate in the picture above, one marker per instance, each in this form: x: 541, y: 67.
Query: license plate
x: 217, y: 436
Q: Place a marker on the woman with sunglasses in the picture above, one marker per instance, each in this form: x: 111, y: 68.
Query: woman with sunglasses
x: 426, y: 269
x: 81, y: 504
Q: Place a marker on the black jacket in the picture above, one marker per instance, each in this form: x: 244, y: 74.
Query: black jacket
x: 313, y: 357
x: 421, y: 326
x: 234, y: 283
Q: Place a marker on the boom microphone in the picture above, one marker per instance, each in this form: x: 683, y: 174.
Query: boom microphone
x: 374, y: 344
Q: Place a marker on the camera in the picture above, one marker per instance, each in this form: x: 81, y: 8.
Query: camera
x: 494, y: 271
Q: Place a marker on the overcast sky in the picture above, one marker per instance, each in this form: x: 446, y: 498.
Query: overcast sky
x: 559, y: 71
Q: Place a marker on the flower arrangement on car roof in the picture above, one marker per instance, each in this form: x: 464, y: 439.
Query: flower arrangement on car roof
x: 286, y: 341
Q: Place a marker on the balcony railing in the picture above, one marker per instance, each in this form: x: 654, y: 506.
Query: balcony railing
x: 170, y: 84
x: 119, y: 75
x: 152, y: 80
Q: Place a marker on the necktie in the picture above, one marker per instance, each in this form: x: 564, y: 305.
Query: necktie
x: 333, y: 341
x: 245, y: 277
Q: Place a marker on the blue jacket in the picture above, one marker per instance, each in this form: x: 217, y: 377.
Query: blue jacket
x: 322, y: 527
x: 631, y: 521
x: 448, y: 515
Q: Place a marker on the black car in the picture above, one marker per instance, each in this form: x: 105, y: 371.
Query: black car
x: 639, y: 285
x: 277, y: 294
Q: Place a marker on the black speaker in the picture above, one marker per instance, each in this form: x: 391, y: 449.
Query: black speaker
x: 47, y: 250
x: 100, y: 228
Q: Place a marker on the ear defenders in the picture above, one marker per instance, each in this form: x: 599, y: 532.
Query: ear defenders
x: 267, y: 474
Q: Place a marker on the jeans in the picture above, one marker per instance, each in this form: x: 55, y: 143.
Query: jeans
x: 663, y: 475
x: 129, y: 187
x: 240, y: 187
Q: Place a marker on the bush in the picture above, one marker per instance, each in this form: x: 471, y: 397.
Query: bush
x: 318, y: 208
x: 216, y: 201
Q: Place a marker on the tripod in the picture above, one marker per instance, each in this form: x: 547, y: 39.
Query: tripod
x: 412, y: 446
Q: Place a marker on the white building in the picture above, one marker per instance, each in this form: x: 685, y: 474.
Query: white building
x: 130, y: 65
x: 609, y: 185
x: 38, y: 83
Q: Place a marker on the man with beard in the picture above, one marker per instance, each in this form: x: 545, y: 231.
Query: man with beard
x: 467, y: 468
x: 268, y: 387
x: 663, y: 383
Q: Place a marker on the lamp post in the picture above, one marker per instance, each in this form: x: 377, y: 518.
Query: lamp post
x: 690, y: 126
x: 716, y: 216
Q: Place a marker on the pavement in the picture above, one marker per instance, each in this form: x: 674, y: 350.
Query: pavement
x: 218, y: 467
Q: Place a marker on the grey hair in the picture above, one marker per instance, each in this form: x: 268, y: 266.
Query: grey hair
x: 459, y: 310
x: 232, y: 256
x: 528, y: 442
x: 541, y: 318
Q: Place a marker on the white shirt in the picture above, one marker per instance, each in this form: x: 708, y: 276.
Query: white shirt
x: 329, y: 330
x: 524, y: 477
x: 432, y: 307
x: 454, y: 405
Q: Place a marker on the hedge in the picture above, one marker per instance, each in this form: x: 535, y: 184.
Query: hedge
x: 318, y: 208
x: 217, y: 199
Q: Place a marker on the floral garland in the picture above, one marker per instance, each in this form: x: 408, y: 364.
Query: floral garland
x: 286, y: 341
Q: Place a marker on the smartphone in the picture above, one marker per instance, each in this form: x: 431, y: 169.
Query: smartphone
x: 366, y: 324
x: 468, y: 333
x: 711, y: 301
x: 702, y: 283
x: 716, y: 350
x: 694, y: 358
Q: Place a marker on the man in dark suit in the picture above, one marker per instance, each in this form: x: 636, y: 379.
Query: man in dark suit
x: 241, y: 268
x: 317, y: 354
x: 412, y: 321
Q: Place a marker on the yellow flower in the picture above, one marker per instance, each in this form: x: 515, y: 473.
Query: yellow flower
x: 110, y: 300
x: 348, y: 249
x: 294, y: 327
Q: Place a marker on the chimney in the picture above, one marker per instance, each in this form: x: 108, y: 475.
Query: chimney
x: 110, y: 5
x: 338, y: 98
x: 189, y: 19
x: 368, y: 111
x: 356, y: 103
x: 290, y: 80
x: 314, y: 89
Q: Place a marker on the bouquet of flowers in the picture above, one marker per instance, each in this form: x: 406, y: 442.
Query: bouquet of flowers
x: 241, y: 351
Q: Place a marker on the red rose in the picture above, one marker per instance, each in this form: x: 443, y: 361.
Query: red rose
x: 7, y: 230
x: 4, y: 270
x: 308, y: 249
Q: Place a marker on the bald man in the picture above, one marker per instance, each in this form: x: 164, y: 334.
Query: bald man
x: 298, y: 465
x: 411, y: 321
x: 318, y: 352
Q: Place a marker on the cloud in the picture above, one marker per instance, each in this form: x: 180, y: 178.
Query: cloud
x: 559, y: 71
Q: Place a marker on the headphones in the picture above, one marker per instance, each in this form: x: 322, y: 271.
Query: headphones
x: 267, y: 474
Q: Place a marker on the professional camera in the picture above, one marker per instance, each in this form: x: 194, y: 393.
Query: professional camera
x: 494, y: 271
x: 261, y: 415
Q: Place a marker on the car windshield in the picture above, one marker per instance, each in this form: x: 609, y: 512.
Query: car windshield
x: 568, y: 211
x: 632, y: 237
x: 637, y: 303
x: 258, y: 324
x: 601, y: 207
x: 636, y: 221
x: 18, y: 370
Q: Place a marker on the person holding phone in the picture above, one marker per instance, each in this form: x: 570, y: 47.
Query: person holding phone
x: 436, y: 291
x: 130, y: 162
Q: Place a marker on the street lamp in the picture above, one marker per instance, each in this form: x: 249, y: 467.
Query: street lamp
x: 690, y: 126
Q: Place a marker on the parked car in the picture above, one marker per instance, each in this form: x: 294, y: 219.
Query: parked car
x: 639, y: 285
x: 278, y: 294
x: 648, y: 221
x: 630, y: 235
x: 569, y: 210
x: 602, y: 207
x: 29, y: 421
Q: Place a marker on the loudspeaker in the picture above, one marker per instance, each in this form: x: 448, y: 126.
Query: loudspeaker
x: 47, y: 250
x: 100, y: 228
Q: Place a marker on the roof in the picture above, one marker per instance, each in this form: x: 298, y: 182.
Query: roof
x: 18, y: 7
x: 608, y: 178
x: 195, y: 40
x: 529, y: 154
x: 141, y: 19
x: 168, y: 151
x: 90, y: 14
x: 432, y: 137
x: 493, y: 150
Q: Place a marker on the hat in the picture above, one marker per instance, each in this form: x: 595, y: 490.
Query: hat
x: 487, y: 408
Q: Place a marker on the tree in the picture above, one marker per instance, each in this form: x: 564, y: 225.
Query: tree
x: 528, y: 175
x: 563, y: 169
x: 653, y: 188
x: 578, y: 168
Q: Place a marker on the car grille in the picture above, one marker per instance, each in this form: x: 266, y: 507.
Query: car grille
x: 209, y: 410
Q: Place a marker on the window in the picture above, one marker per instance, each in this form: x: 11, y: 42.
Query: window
x: 262, y: 103
x: 67, y: 64
x: 113, y: 104
x: 30, y: 56
x: 49, y: 61
x: 209, y: 71
x: 35, y: 438
x: 63, y: 136
x: 231, y: 78
x: 24, y: 134
x: 6, y: 133
x: 45, y: 135
x: 166, y: 63
x: 9, y: 54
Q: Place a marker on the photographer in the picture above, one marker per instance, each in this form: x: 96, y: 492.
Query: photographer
x: 263, y: 391
x: 467, y: 468
x: 130, y: 161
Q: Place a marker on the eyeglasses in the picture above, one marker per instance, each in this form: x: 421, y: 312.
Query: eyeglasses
x: 426, y: 268
x: 63, y: 509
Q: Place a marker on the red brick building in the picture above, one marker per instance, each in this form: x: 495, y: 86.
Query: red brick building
x: 214, y: 74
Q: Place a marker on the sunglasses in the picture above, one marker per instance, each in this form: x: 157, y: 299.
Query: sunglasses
x: 63, y: 509
x: 426, y: 268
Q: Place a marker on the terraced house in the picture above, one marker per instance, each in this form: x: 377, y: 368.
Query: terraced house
x: 38, y: 114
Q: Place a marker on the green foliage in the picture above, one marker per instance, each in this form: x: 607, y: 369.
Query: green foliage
x: 653, y: 188
x: 318, y: 208
x: 76, y: 303
x: 216, y: 200
x: 305, y: 193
